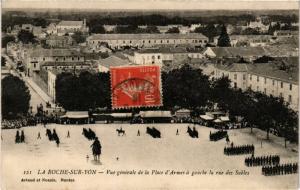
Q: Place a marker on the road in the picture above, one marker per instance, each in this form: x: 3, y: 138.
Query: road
x: 36, y: 94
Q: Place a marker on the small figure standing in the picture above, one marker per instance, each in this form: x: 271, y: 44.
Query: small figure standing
x: 17, y: 140
x: 138, y: 133
x: 227, y: 139
x: 57, y: 141
x: 39, y: 136
x: 231, y: 144
x: 22, y: 138
x: 177, y: 132
x: 68, y: 135
x: 87, y: 158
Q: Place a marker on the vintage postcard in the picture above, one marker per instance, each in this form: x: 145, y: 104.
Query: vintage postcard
x: 156, y: 94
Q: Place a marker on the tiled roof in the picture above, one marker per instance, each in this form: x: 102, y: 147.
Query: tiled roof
x: 270, y: 70
x: 169, y: 50
x: 70, y: 23
x: 235, y: 67
x: 113, y: 61
x: 39, y: 52
x: 275, y: 51
x: 52, y: 63
x: 145, y: 36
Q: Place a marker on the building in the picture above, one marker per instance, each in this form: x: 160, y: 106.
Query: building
x: 117, y: 41
x: 249, y: 40
x: 251, y: 53
x: 112, y: 61
x: 38, y: 32
x: 159, y: 55
x: 54, y: 41
x: 258, y: 24
x: 285, y: 33
x: 70, y: 27
x: 267, y: 78
x: 36, y: 57
x: 27, y: 27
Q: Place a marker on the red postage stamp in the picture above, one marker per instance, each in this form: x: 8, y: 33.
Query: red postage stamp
x: 136, y: 86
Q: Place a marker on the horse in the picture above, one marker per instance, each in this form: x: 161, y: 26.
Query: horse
x: 49, y: 134
x: 96, y: 149
x: 121, y: 131
x: 193, y: 133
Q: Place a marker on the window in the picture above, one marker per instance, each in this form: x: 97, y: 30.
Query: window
x: 273, y: 82
x: 290, y: 99
x: 265, y: 80
x: 34, y: 65
x: 235, y: 85
x: 250, y: 77
x: 250, y: 87
x: 257, y: 78
x: 123, y: 42
x: 167, y: 41
x: 244, y: 77
x: 43, y: 58
x: 56, y: 59
x: 149, y: 41
x: 46, y: 68
x: 158, y: 57
x: 130, y: 41
x: 153, y: 57
x: 281, y: 84
x: 64, y: 58
x: 72, y: 58
x: 265, y: 91
x: 143, y: 41
x: 161, y: 41
x: 291, y: 86
x: 235, y: 76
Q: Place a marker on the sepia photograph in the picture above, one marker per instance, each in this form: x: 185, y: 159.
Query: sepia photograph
x: 149, y: 94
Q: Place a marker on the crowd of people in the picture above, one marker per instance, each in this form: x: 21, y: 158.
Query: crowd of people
x: 18, y: 123
x: 262, y: 160
x: 217, y: 135
x: 280, y: 169
x: 20, y: 138
x: 236, y: 150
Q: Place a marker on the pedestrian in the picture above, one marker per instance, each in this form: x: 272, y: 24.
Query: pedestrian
x: 231, y: 144
x: 68, y: 135
x: 17, y: 139
x: 227, y: 139
x: 138, y: 133
x: 22, y: 138
x: 177, y: 132
x: 87, y: 158
x: 57, y: 142
x: 39, y: 136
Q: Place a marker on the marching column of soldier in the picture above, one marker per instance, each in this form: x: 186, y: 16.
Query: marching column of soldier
x: 283, y: 169
x: 262, y: 160
x: 236, y: 150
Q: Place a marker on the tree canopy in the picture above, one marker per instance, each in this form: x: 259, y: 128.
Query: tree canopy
x: 15, y: 97
x: 7, y: 39
x: 224, y: 40
x: 173, y: 30
x: 79, y: 37
x: 26, y: 37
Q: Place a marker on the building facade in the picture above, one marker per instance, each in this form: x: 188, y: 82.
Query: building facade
x: 146, y: 40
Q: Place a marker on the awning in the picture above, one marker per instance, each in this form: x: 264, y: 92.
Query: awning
x: 76, y: 114
x: 224, y: 118
x: 121, y: 115
x: 206, y: 117
x: 183, y: 111
x: 149, y: 114
x: 217, y: 121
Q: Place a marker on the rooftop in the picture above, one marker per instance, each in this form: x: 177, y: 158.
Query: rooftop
x: 145, y: 36
x: 70, y: 23
x: 170, y: 50
x: 113, y: 61
x: 40, y: 52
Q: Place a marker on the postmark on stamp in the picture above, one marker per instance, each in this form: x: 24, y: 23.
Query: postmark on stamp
x: 136, y: 86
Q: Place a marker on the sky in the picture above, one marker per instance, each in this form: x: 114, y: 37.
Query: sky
x: 154, y: 4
